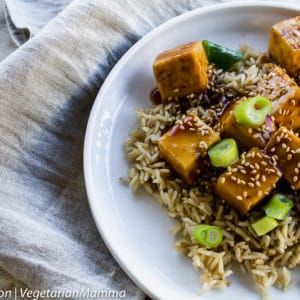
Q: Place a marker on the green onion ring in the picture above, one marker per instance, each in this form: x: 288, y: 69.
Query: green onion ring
x: 207, y: 235
x: 264, y: 225
x: 253, y: 111
x: 224, y: 153
x: 279, y: 206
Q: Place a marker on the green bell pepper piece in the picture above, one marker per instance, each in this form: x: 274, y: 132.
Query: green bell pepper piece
x: 223, y: 58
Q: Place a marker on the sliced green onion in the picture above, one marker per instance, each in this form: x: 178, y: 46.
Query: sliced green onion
x: 253, y: 111
x: 224, y: 153
x: 207, y: 235
x: 264, y: 225
x: 262, y: 104
x: 222, y: 57
x: 279, y: 206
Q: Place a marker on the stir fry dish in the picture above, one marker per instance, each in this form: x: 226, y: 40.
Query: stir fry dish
x: 220, y: 149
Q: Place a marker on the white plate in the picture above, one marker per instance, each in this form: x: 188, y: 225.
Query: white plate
x: 133, y: 226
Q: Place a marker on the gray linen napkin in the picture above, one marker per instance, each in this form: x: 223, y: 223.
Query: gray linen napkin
x: 26, y: 18
x: 47, y: 87
x: 6, y: 44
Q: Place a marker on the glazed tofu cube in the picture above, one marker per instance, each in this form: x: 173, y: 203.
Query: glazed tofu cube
x: 284, y: 44
x: 284, y: 93
x: 247, y: 137
x: 248, y: 181
x: 181, y: 71
x: 285, y: 147
x: 184, y: 145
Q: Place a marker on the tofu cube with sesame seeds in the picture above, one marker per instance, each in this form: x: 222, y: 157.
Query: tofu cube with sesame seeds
x: 284, y: 93
x: 245, y: 136
x: 185, y: 145
x: 248, y: 181
x: 285, y: 148
x: 181, y: 71
x: 284, y: 44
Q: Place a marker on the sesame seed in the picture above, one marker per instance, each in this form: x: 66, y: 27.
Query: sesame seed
x: 258, y: 155
x: 203, y: 144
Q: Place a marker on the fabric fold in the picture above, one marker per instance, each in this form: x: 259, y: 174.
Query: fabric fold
x: 26, y: 18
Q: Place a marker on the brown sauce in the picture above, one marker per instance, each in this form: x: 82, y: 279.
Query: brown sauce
x: 155, y: 96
